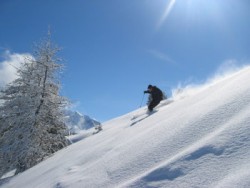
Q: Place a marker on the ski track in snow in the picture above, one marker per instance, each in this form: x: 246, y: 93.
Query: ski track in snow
x: 200, y: 140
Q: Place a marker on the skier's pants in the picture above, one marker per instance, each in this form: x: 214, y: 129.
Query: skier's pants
x: 153, y: 104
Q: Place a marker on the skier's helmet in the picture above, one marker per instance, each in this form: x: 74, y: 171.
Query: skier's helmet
x: 150, y: 86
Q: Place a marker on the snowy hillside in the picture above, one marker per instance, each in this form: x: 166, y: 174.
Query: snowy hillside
x: 76, y: 122
x: 199, y: 138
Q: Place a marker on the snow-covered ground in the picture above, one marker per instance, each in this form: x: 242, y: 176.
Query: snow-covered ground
x: 199, y: 138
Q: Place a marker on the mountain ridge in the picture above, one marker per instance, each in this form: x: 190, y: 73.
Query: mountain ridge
x: 76, y: 121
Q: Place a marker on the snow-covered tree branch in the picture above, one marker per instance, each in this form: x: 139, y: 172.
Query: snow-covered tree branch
x: 31, y: 117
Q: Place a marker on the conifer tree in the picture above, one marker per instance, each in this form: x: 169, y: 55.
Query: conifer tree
x: 31, y: 117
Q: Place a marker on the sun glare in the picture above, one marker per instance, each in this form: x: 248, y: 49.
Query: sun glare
x: 194, y: 11
x: 167, y: 11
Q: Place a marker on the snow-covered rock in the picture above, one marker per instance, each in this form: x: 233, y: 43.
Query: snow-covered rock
x: 76, y: 122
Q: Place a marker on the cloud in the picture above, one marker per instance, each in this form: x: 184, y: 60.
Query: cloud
x: 9, y: 65
x: 162, y: 56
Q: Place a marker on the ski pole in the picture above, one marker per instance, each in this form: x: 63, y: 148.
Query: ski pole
x: 142, y: 99
x: 134, y: 116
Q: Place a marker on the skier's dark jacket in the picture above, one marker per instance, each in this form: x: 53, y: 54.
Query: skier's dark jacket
x: 156, y: 94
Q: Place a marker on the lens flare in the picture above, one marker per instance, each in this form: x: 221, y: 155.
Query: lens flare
x: 166, y: 13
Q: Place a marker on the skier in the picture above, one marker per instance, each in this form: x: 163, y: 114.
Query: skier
x: 155, y: 97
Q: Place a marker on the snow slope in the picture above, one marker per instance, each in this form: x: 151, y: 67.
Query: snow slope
x: 201, y: 139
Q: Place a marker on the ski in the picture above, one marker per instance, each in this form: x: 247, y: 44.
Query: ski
x: 143, y: 115
x: 140, y: 118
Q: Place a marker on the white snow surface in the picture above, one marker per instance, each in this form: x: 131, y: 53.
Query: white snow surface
x: 199, y: 138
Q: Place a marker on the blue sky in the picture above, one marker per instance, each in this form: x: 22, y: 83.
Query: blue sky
x: 114, y: 48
